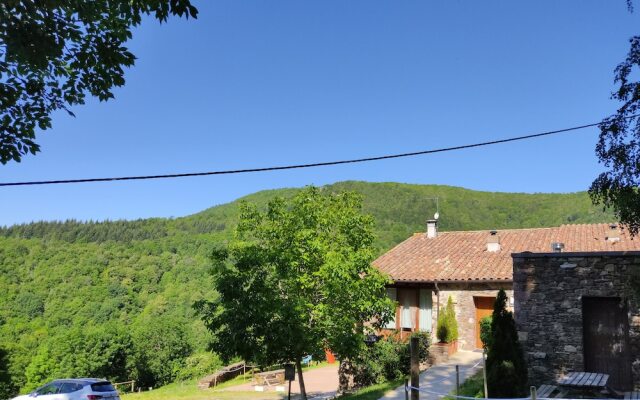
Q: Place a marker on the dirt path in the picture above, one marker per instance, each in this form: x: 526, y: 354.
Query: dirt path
x: 319, y: 382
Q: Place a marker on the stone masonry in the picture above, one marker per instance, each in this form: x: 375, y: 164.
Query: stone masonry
x: 548, y: 290
x: 462, y: 295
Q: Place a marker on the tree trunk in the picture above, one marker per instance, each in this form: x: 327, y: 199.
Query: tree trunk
x: 303, y: 391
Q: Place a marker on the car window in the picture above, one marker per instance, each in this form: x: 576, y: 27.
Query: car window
x: 102, y: 387
x: 51, y: 388
x: 69, y: 387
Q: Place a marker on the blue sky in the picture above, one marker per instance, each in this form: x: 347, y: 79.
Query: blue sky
x: 257, y: 83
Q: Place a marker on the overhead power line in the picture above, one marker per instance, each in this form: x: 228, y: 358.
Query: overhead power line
x: 299, y: 166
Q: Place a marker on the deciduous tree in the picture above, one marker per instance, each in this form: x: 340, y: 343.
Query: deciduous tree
x: 54, y: 53
x: 297, y: 279
x: 618, y: 146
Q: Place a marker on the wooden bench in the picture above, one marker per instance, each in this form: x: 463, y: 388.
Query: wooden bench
x: 632, y: 396
x: 545, y: 391
x: 269, y: 378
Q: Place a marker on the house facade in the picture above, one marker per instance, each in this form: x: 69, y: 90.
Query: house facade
x: 471, y: 266
x: 579, y: 311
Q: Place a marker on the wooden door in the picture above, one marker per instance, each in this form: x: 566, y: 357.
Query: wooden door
x: 484, y: 308
x: 606, y: 339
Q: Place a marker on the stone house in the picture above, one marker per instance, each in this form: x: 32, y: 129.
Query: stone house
x: 579, y: 311
x: 471, y: 266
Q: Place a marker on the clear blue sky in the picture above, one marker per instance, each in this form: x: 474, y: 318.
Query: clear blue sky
x: 259, y: 83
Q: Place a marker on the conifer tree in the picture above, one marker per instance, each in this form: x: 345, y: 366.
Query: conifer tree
x: 506, y: 368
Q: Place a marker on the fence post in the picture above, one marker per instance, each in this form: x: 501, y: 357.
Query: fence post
x: 457, y: 380
x: 406, y: 389
x: 484, y: 374
x: 534, y: 394
x: 415, y: 368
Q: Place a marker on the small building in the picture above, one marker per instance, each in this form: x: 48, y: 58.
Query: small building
x: 471, y: 266
x: 579, y: 311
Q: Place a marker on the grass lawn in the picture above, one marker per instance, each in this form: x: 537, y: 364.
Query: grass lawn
x: 373, y: 392
x: 473, y: 386
x: 189, y: 391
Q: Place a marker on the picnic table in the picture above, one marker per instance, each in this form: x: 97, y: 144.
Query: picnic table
x: 584, y: 380
x: 583, y: 384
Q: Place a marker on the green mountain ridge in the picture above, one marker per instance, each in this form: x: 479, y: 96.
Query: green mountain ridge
x: 399, y: 209
x: 115, y: 299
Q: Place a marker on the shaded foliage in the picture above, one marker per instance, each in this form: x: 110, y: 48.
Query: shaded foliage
x: 55, y: 53
x: 618, y: 146
x: 485, y: 332
x: 506, y: 367
x: 383, y: 361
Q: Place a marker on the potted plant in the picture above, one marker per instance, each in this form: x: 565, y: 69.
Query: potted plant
x: 447, y: 328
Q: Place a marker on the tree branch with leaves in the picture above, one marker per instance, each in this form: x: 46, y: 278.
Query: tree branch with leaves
x: 53, y: 53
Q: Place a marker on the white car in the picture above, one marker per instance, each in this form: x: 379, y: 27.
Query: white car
x: 74, y: 389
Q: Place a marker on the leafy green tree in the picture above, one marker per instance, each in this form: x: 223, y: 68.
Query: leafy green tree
x: 297, y: 279
x: 618, y: 146
x: 161, y: 347
x: 54, y: 53
x: 6, y: 389
x: 506, y: 368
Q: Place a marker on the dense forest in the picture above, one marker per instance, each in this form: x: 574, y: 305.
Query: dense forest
x: 115, y: 299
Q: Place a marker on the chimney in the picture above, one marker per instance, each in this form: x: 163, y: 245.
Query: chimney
x: 557, y: 247
x: 432, y: 228
x: 493, y: 242
x: 614, y: 233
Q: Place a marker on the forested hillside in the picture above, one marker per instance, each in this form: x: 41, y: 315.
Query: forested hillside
x: 114, y: 299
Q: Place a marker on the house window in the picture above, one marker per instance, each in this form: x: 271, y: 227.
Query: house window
x: 425, y: 310
x: 393, y: 295
x: 406, y: 316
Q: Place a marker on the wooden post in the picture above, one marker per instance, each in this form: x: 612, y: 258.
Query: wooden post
x: 415, y: 368
x: 484, y: 374
x: 457, y: 380
x: 406, y: 389
x: 534, y: 394
x: 133, y: 383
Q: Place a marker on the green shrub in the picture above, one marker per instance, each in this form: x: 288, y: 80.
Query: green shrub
x: 485, y: 332
x: 386, y: 360
x: 424, y: 340
x: 199, y: 365
x: 447, y: 326
x: 506, y: 368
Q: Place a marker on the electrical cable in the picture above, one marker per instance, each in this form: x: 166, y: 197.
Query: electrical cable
x: 299, y: 166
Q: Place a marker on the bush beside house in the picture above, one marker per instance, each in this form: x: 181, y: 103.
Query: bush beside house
x: 383, y: 361
x: 446, y: 333
x: 485, y: 332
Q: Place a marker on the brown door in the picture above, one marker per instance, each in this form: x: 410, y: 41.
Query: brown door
x: 606, y: 339
x: 484, y: 308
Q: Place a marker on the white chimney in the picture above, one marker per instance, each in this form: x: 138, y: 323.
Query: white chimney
x: 493, y: 242
x: 614, y: 233
x: 432, y: 228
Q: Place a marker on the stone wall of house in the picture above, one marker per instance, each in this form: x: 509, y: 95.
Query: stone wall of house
x: 548, y: 306
x: 462, y: 295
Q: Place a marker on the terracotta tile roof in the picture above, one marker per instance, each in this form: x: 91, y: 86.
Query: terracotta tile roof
x: 463, y: 256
